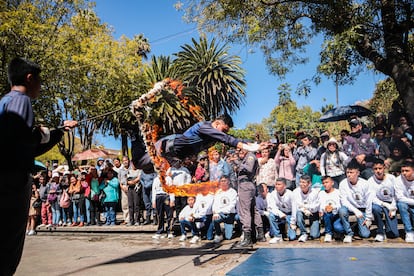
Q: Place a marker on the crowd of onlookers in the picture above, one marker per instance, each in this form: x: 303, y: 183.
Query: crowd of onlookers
x: 302, y: 184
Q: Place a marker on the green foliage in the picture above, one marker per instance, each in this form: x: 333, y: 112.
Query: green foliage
x: 384, y: 95
x: 376, y: 33
x: 214, y: 76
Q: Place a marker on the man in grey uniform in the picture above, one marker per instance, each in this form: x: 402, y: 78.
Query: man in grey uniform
x: 247, y: 205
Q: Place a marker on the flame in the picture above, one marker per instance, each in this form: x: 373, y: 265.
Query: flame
x: 150, y: 134
x: 193, y: 189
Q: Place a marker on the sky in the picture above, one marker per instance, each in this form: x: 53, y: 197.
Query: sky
x: 166, y: 31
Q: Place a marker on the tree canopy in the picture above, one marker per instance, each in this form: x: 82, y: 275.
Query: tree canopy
x: 374, y: 33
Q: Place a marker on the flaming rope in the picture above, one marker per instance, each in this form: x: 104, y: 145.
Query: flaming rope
x: 150, y: 132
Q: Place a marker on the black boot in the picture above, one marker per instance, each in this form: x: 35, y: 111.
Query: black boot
x: 155, y: 220
x: 246, y: 242
x: 147, y: 219
x: 260, y: 235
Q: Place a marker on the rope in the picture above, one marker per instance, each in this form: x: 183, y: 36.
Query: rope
x: 101, y: 115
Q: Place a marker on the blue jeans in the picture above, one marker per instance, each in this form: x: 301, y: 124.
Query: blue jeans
x: 391, y: 224
x: 55, y: 212
x: 190, y: 225
x: 88, y: 210
x: 314, y: 224
x: 147, y: 197
x: 276, y: 222
x: 362, y: 229
x: 208, y: 226
x: 228, y: 220
x: 77, y: 212
x: 407, y: 215
x: 110, y: 212
x: 332, y: 223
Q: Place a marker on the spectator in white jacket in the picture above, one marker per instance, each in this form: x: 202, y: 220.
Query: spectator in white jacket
x: 404, y: 191
x: 384, y: 203
x: 329, y: 204
x: 355, y: 198
x: 305, y: 204
x: 279, y: 205
x: 224, y: 209
x: 187, y: 220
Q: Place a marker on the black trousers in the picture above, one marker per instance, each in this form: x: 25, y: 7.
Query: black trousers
x: 15, y: 192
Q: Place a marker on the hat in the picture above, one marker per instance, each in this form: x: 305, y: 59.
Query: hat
x: 101, y: 159
x: 324, y: 134
x: 55, y: 174
x: 55, y: 164
x: 202, y: 155
x: 354, y: 122
x: 331, y: 140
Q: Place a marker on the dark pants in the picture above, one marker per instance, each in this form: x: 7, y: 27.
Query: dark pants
x: 134, y: 204
x: 15, y: 192
x: 95, y: 210
x: 247, y: 207
x: 163, y: 209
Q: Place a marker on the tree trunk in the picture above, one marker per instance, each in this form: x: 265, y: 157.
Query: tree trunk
x: 403, y: 76
x: 124, y: 141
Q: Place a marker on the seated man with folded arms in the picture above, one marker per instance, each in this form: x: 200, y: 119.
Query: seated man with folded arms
x: 329, y: 204
x: 384, y: 203
x: 404, y: 192
x: 305, y: 204
x: 355, y: 198
x: 279, y: 204
x: 224, y: 209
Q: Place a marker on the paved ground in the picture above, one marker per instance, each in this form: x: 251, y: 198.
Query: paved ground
x: 131, y: 251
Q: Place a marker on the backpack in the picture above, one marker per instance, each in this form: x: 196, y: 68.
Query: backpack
x: 64, y: 200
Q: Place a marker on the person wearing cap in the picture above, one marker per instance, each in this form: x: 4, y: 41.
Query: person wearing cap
x: 355, y: 196
x: 197, y: 138
x: 202, y: 171
x: 100, y: 165
x: 333, y: 162
x: 361, y: 147
x: 324, y: 137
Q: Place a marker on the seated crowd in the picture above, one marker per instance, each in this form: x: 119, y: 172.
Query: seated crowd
x: 305, y: 188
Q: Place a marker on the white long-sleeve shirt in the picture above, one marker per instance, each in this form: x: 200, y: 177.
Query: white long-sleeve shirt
x: 203, y: 205
x: 187, y: 213
x: 158, y: 190
x: 225, y: 201
x: 383, y: 190
x: 332, y: 198
x: 278, y: 204
x: 179, y: 176
x: 355, y: 197
x: 301, y: 201
x: 404, y: 190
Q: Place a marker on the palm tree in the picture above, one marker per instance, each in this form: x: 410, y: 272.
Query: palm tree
x: 214, y: 76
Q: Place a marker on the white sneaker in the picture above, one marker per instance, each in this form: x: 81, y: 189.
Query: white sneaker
x: 328, y: 238
x: 156, y: 236
x: 409, y: 237
x: 348, y: 239
x: 276, y: 240
x: 41, y: 225
x: 267, y: 236
x: 31, y: 233
x: 303, y: 238
x: 379, y: 238
x: 183, y: 238
x: 170, y: 236
x: 218, y: 238
x: 195, y: 239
